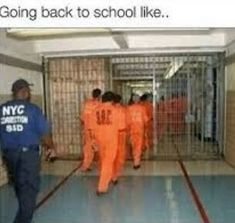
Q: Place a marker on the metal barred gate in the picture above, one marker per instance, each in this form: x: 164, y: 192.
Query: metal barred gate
x: 70, y: 82
x: 187, y: 97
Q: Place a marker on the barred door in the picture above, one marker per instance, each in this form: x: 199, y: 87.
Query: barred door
x: 188, y: 100
x: 70, y: 82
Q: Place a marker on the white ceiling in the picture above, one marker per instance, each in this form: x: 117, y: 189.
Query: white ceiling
x: 98, y: 41
x: 39, y: 33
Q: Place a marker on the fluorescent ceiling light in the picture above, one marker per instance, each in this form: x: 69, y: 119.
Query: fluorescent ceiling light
x: 159, y: 29
x: 174, y: 67
x: 142, y: 85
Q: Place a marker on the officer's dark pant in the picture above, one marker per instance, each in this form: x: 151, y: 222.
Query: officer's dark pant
x: 24, y: 167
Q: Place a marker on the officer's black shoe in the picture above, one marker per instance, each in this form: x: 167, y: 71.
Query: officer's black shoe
x: 136, y: 167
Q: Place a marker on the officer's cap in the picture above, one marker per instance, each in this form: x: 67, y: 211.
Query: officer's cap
x: 19, y: 84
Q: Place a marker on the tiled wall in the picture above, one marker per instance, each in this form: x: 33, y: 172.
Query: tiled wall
x: 230, y: 115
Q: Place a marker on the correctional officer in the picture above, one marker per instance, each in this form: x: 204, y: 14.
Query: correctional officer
x: 22, y: 127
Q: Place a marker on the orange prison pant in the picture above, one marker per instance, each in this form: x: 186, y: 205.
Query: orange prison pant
x: 88, y: 151
x: 137, y: 143
x: 107, y: 152
x: 120, y: 156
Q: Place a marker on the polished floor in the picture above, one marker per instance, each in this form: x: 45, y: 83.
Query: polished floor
x: 188, y: 145
x: 157, y: 193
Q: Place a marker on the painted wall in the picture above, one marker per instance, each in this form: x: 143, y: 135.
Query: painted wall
x: 18, y: 48
x: 8, y: 74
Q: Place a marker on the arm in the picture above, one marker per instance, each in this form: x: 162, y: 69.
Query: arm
x: 44, y: 131
x: 50, y: 151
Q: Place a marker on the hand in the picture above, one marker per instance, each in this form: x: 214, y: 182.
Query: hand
x: 50, y: 155
x: 95, y: 146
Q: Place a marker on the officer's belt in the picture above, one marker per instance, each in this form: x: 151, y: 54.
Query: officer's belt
x: 22, y: 148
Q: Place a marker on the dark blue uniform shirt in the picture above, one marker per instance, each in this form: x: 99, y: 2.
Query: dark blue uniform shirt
x: 22, y: 124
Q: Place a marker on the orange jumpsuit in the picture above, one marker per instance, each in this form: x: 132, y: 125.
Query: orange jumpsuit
x: 106, y: 124
x: 183, y: 110
x: 176, y: 112
x: 88, y: 138
x: 170, y: 110
x: 148, y: 139
x: 138, y: 120
x: 122, y: 142
x: 161, y: 119
x: 175, y: 116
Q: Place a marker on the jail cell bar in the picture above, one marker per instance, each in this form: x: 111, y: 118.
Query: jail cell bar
x: 187, y: 92
x: 187, y: 99
x: 70, y: 83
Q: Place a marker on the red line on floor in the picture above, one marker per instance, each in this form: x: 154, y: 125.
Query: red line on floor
x: 192, y: 189
x: 55, y: 188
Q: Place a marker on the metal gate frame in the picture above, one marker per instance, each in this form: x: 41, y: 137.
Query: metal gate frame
x: 220, y: 91
x: 221, y: 84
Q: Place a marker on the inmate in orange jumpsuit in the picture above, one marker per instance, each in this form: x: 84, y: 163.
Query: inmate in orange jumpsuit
x: 148, y: 139
x: 182, y: 112
x: 106, y: 124
x: 175, y: 116
x: 122, y: 141
x: 138, y: 120
x: 176, y: 108
x: 171, y: 110
x: 161, y: 119
x: 88, y: 143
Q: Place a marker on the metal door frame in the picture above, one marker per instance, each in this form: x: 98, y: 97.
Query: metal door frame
x: 220, y: 86
x: 221, y: 82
